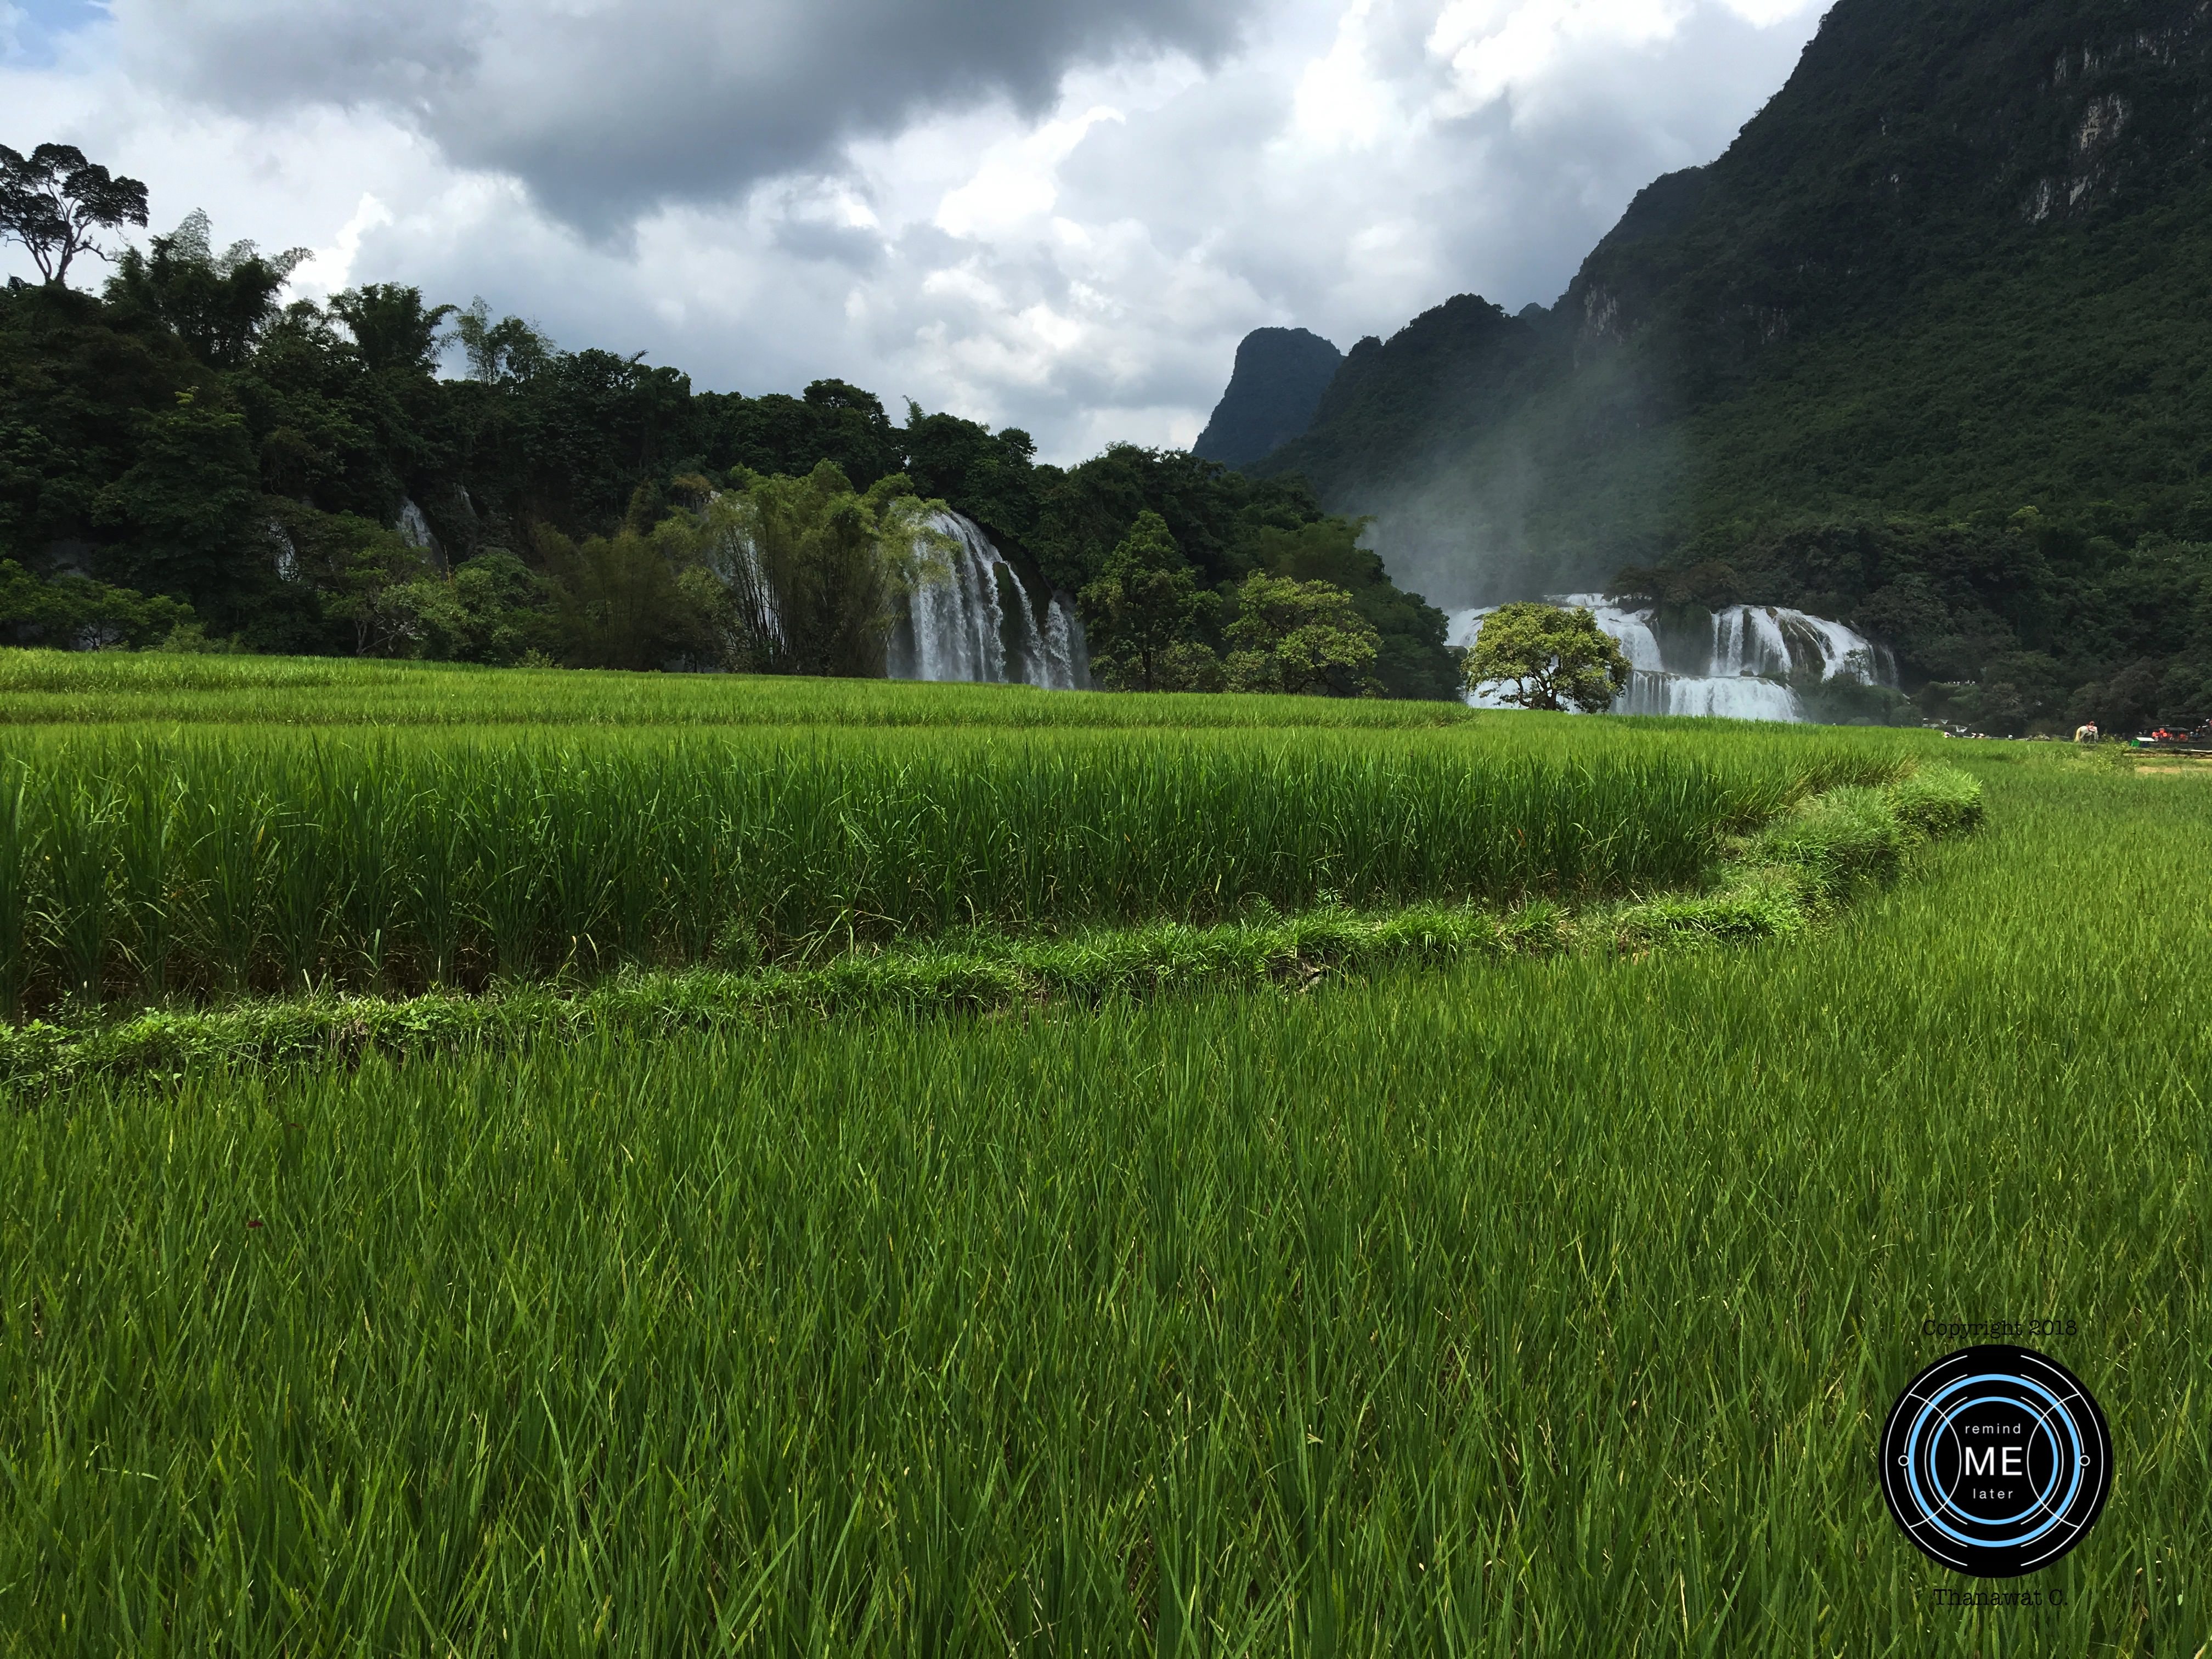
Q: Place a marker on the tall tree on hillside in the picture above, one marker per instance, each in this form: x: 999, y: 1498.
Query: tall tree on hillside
x: 501, y: 352
x: 391, y: 327
x: 218, y: 303
x: 52, y: 200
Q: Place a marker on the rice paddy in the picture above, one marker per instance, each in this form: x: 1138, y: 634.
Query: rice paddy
x: 1519, y: 1304
x: 140, y: 864
x: 61, y: 687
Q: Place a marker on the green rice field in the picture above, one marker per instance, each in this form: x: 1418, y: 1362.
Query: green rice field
x: 135, y: 862
x: 1516, y: 1303
x: 61, y: 687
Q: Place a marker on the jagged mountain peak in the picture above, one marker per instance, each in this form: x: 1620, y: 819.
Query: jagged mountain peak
x: 1280, y: 378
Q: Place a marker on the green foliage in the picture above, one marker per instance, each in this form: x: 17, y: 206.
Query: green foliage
x: 369, y: 578
x: 1844, y: 701
x: 75, y: 613
x: 833, y: 558
x: 1552, y: 658
x: 1302, y: 639
x: 39, y: 687
x: 1410, y: 659
x: 991, y: 476
x: 507, y: 351
x: 1771, y: 893
x: 831, y: 422
x: 427, y: 856
x: 1144, y: 612
x: 394, y: 331
x: 1381, y: 1317
x: 187, y: 506
x: 1227, y: 525
x: 623, y: 602
x: 217, y: 303
x: 506, y: 611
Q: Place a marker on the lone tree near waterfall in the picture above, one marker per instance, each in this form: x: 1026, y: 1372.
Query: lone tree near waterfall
x: 53, y: 200
x: 1303, y: 638
x: 1551, y: 657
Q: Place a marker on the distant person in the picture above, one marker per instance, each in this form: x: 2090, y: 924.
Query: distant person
x: 2086, y: 733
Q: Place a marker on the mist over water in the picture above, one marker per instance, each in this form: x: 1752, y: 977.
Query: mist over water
x: 1540, y: 455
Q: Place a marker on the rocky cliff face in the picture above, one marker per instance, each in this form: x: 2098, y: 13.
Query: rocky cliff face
x: 1281, y: 375
x: 1914, y: 140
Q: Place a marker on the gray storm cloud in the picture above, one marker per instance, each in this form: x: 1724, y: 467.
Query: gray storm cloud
x: 606, y: 110
x: 1057, y: 216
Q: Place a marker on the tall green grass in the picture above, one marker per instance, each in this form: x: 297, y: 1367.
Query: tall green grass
x: 51, y: 687
x: 104, y: 688
x: 134, y: 863
x: 1543, y: 1307
x: 1794, y: 873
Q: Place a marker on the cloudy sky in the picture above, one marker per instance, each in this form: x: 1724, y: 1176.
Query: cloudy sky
x: 1058, y: 214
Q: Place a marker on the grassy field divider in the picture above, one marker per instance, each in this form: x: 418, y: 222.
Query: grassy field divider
x: 1807, y: 861
x: 1774, y: 885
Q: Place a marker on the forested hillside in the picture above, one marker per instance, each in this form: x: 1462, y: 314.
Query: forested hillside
x: 186, y: 458
x: 1927, y: 350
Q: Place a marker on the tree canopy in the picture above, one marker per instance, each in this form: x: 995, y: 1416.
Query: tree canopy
x: 1144, y: 614
x: 53, y: 201
x: 386, y: 474
x: 1302, y: 639
x: 1550, y: 657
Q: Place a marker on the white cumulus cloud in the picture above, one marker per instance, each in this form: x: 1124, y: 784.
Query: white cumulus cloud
x: 1048, y: 213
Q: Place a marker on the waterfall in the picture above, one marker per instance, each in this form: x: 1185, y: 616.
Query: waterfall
x: 285, y: 552
x: 977, y: 622
x: 1740, y: 670
x: 1067, y: 652
x: 415, y: 529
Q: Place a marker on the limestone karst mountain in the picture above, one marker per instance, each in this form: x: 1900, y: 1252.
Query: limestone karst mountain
x: 1927, y: 349
x: 1281, y: 375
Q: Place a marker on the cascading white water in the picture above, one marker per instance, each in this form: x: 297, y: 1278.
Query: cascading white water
x: 977, y: 622
x: 1067, y: 652
x: 414, y: 527
x: 284, y: 551
x: 1753, y: 650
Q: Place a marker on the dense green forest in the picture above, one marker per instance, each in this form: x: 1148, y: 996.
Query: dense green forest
x: 1927, y: 350
x: 187, y: 459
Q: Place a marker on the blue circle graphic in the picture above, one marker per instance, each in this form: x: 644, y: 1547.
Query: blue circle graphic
x: 1995, y: 1461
